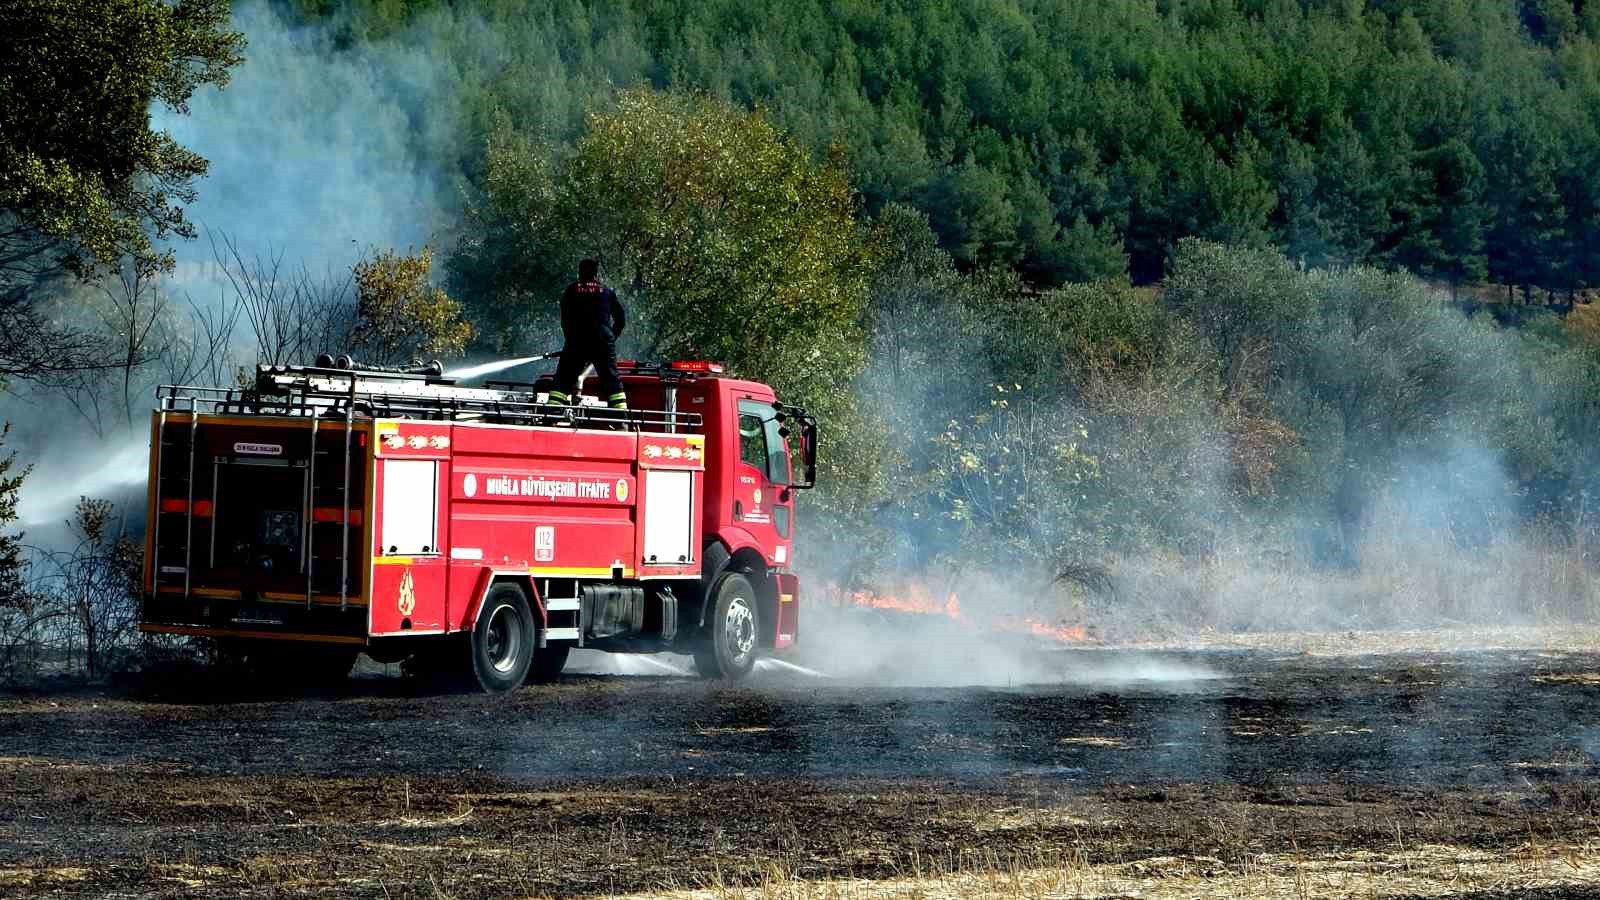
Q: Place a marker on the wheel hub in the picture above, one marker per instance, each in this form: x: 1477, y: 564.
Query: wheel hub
x: 503, y: 642
x: 740, y: 627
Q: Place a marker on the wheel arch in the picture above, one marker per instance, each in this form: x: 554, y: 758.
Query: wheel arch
x: 749, y: 560
x: 529, y: 590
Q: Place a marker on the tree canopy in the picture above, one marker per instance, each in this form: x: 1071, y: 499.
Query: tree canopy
x: 1076, y: 141
x: 84, y: 181
x: 86, y: 186
x: 724, y: 238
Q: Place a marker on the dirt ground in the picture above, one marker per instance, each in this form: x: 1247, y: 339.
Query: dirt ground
x: 1338, y: 766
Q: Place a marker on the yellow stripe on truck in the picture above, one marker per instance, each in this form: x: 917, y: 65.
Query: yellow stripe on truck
x: 580, y: 572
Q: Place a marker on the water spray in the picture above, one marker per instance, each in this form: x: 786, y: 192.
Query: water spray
x: 108, y: 473
x: 769, y: 663
x: 490, y: 368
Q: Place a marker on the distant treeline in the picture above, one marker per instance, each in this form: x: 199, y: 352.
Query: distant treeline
x: 1459, y: 139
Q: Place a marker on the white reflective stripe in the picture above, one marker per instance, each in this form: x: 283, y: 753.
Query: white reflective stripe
x: 466, y: 553
x: 561, y: 634
x: 563, y: 604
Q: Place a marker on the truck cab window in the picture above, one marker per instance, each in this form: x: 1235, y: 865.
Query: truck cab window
x: 760, y: 444
x: 752, y: 441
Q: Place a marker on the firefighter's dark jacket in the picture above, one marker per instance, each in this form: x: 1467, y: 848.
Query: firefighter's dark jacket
x: 590, y: 311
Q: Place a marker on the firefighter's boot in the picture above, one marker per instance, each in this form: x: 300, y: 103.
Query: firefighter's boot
x: 566, y: 401
x: 618, y: 402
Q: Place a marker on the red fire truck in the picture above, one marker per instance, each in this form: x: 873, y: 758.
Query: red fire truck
x: 333, y: 509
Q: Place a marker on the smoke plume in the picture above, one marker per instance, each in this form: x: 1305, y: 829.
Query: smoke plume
x: 317, y: 155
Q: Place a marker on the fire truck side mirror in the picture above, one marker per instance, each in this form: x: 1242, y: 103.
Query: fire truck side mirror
x: 808, y: 452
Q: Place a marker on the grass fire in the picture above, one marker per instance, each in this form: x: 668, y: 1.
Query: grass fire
x: 922, y: 601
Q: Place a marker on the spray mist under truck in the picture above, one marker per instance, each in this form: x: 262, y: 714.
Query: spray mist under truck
x: 334, y: 509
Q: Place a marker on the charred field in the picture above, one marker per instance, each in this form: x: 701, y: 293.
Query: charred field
x: 1337, y: 766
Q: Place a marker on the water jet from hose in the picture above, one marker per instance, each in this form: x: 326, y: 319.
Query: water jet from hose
x: 490, y: 368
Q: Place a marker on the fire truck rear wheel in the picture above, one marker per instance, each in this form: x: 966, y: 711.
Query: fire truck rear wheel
x: 503, y: 639
x: 729, y: 652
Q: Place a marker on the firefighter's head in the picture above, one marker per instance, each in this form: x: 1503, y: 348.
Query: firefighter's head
x: 588, y: 269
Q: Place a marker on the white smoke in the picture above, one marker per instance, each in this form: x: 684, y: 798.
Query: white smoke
x: 316, y: 153
x: 57, y: 481
x: 317, y: 156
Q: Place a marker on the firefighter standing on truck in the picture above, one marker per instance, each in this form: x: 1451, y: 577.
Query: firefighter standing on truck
x: 591, y: 321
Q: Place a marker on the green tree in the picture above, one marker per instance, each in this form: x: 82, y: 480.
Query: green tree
x: 726, y: 239
x: 1446, y: 219
x: 85, y: 184
x: 13, y: 590
x: 84, y: 181
x: 400, y: 315
x: 970, y: 210
x: 1253, y: 305
x: 1086, y: 252
x: 513, y: 251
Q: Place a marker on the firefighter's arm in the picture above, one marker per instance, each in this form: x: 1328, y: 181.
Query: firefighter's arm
x: 619, y: 317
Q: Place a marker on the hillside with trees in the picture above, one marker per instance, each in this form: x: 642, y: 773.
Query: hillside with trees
x: 1459, y: 139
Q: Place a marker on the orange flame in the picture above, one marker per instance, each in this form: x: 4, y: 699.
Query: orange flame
x: 919, y: 600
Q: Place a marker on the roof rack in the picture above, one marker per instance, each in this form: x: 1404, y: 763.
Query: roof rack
x: 321, y: 392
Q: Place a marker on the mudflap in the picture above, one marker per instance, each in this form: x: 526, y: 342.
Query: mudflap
x: 788, y: 625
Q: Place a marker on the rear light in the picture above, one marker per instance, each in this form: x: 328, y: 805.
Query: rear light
x: 324, y: 514
x: 202, y: 508
x: 697, y: 365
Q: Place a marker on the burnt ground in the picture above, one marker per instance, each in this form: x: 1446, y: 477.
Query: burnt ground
x: 1195, y: 771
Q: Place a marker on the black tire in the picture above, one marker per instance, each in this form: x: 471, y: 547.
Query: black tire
x: 548, y: 661
x: 729, y: 649
x: 502, y: 641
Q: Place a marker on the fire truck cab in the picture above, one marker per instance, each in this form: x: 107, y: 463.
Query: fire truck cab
x: 333, y: 509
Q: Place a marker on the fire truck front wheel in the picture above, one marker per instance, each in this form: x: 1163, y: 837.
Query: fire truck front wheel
x: 503, y: 639
x: 729, y: 650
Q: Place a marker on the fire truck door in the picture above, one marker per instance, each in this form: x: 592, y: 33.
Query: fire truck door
x: 762, y: 501
x: 408, y: 584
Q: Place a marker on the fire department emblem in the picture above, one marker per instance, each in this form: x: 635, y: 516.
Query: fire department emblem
x: 408, y: 595
x: 757, y: 496
x: 622, y: 490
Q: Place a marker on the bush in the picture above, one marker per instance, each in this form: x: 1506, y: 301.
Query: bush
x: 81, y: 612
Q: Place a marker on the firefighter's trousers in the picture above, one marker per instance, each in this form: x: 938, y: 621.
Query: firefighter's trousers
x: 579, y: 354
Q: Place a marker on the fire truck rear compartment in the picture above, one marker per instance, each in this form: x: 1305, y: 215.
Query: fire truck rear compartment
x: 247, y: 536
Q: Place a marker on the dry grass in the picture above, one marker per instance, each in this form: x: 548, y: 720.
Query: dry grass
x: 1419, y: 871
x: 1415, y: 582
